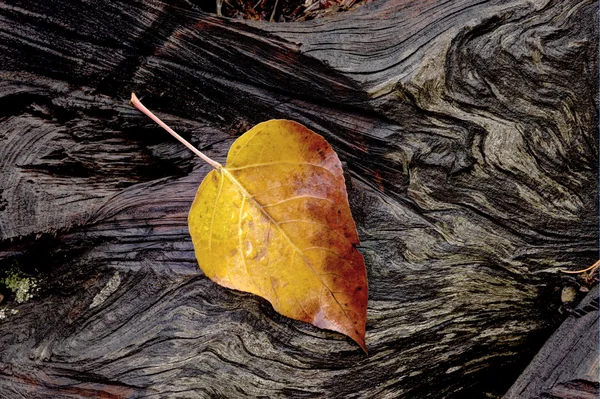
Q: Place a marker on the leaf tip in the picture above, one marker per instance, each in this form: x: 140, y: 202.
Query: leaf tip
x: 363, y: 345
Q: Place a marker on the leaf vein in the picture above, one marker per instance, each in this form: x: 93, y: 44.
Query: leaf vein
x: 317, y: 223
x: 212, y: 219
x: 297, y: 197
x: 293, y: 246
x: 260, y: 165
x: 241, y: 249
x: 244, y: 146
x: 324, y: 249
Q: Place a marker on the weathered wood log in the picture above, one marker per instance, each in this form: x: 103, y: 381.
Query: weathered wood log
x: 567, y: 365
x: 469, y: 130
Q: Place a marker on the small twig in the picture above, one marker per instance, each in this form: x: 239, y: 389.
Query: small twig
x: 313, y: 6
x: 274, y: 10
x: 219, y: 6
x: 136, y: 103
x: 590, y: 269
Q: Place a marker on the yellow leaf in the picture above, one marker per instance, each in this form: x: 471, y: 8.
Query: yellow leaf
x: 275, y: 221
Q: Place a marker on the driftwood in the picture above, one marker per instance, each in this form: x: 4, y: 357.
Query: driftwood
x: 469, y: 133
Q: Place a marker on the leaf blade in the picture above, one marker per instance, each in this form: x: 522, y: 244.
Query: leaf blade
x: 296, y: 179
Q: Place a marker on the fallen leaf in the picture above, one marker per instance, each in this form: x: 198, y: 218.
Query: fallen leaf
x: 275, y: 221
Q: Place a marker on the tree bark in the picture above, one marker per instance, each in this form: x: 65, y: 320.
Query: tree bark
x: 469, y: 130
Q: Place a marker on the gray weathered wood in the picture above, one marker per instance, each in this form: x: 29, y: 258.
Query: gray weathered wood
x: 567, y: 366
x: 469, y: 130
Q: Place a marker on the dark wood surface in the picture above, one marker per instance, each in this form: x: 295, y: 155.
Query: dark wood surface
x: 469, y: 133
x: 567, y: 366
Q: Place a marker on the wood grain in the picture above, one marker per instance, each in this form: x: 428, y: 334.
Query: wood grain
x: 469, y: 130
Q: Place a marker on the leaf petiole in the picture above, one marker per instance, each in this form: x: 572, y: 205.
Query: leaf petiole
x: 590, y: 269
x: 136, y: 103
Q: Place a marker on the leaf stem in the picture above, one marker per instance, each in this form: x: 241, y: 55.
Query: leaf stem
x: 136, y: 103
x: 590, y: 269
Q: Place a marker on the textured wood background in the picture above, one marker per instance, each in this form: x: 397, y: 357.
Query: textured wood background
x: 470, y: 132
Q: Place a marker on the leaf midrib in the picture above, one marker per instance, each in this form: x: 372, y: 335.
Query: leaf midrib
x: 291, y: 243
